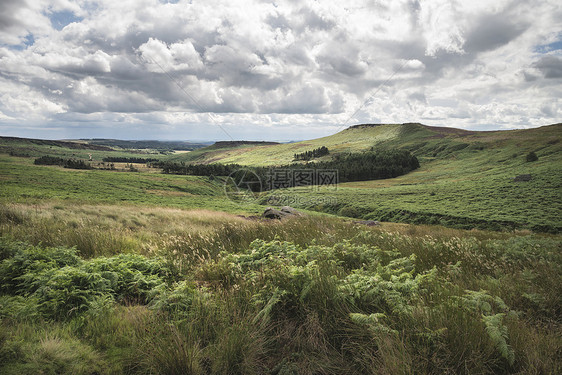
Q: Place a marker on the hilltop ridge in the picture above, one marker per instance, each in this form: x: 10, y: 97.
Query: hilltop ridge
x: 421, y: 139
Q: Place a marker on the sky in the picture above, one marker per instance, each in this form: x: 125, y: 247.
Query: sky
x: 282, y: 70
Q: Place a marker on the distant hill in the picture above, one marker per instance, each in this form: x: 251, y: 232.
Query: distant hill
x: 422, y: 140
x: 147, y: 144
x: 229, y: 144
x: 6, y: 142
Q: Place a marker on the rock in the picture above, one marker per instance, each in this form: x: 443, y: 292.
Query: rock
x: 523, y: 177
x: 369, y: 223
x: 290, y: 210
x: 272, y: 213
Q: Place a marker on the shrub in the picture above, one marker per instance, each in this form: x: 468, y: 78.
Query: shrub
x: 51, y: 352
x: 531, y: 156
x: 63, y: 285
x: 349, y: 211
x: 17, y: 271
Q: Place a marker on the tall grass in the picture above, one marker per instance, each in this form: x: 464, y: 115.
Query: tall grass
x: 98, y: 230
x: 312, y: 295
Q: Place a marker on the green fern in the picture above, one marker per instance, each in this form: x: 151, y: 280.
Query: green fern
x: 499, y: 335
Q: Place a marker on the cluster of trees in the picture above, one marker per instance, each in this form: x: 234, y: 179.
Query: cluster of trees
x: 316, y: 153
x: 350, y: 167
x: 372, y: 165
x: 108, y: 166
x: 116, y: 159
x: 196, y: 169
x: 66, y: 163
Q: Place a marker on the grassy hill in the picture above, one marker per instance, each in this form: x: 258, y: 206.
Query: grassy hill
x: 351, y: 140
x: 27, y: 147
x: 423, y: 140
x: 466, y: 178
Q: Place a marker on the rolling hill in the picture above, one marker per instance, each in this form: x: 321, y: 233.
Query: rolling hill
x: 466, y: 178
x: 425, y: 141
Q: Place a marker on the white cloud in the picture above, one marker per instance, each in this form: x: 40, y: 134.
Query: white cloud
x: 277, y: 67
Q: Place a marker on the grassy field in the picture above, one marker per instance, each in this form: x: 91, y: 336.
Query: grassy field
x: 160, y: 290
x: 24, y: 182
x: 465, y: 179
x: 119, y: 272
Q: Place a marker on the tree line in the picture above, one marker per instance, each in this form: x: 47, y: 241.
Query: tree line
x: 363, y: 166
x: 308, y: 155
x: 371, y: 165
x: 66, y: 163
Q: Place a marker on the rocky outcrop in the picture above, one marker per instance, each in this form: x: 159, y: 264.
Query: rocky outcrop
x: 284, y: 212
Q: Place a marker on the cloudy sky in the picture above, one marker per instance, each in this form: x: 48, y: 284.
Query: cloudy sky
x: 283, y: 70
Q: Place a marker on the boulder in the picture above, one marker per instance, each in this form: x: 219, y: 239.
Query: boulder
x: 290, y: 210
x: 272, y: 213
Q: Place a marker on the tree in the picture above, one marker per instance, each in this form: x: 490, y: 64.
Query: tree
x: 531, y: 156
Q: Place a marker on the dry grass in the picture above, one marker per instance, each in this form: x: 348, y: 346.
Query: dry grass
x: 112, y: 229
x: 104, y: 229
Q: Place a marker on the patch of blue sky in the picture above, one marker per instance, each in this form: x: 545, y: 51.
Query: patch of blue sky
x: 551, y: 47
x: 29, y: 40
x: 60, y: 19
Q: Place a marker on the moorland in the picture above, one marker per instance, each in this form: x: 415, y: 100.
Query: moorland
x: 109, y: 265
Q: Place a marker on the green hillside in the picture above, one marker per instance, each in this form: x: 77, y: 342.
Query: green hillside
x: 466, y: 179
x: 23, y: 182
x: 346, y: 141
x: 422, y: 140
x: 26, y: 147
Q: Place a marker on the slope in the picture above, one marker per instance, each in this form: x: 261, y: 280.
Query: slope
x: 466, y: 180
x: 422, y: 140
